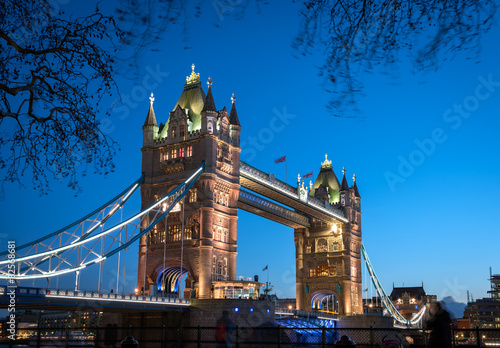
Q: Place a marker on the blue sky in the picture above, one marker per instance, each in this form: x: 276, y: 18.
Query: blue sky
x: 427, y: 174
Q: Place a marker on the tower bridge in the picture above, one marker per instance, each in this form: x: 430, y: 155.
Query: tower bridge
x: 325, y: 215
x: 192, y: 186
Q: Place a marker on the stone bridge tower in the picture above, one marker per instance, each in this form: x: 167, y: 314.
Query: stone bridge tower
x: 199, y: 236
x: 328, y: 259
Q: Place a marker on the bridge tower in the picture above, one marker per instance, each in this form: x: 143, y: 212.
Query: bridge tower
x: 199, y: 236
x: 328, y: 259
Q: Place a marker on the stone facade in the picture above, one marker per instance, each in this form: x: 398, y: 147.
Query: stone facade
x: 201, y: 234
x: 328, y: 259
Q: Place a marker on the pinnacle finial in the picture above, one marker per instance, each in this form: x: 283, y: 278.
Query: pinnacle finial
x: 298, y: 178
x: 233, y: 98
x: 354, y: 177
x: 343, y: 170
x: 151, y: 99
x: 209, y: 82
x: 327, y: 163
x: 194, y: 77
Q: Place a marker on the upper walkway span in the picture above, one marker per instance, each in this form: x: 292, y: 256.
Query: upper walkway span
x: 267, y: 185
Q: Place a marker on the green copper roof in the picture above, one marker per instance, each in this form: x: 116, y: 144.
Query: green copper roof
x: 328, y: 179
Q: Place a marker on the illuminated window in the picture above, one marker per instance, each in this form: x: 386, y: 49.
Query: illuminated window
x: 165, y: 156
x: 189, y: 151
x: 308, y: 249
x: 220, y: 233
x: 336, y: 246
x: 312, y: 273
x: 322, y: 271
x: 174, y: 154
x: 173, y: 133
x: 193, y: 195
x: 187, y: 232
x: 174, y: 233
x: 181, y: 152
x: 181, y: 131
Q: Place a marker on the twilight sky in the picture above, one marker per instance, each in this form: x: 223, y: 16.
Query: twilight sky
x: 424, y: 150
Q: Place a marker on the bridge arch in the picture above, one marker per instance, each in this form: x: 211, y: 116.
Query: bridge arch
x: 168, y: 275
x: 326, y: 300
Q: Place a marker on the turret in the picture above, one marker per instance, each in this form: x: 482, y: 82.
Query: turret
x: 234, y: 123
x: 209, y: 112
x: 150, y: 128
x: 344, y: 190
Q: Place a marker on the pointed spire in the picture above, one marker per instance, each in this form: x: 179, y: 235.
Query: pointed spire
x: 150, y: 118
x: 355, y: 187
x: 344, y: 186
x: 209, y: 100
x: 233, y: 115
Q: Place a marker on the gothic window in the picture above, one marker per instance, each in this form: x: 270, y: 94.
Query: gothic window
x: 187, y: 232
x: 192, y: 195
x: 336, y: 246
x: 308, y: 249
x: 173, y: 133
x: 174, y: 154
x: 181, y: 131
x: 165, y: 156
x: 189, y: 151
x: 312, y: 272
x: 181, y: 152
x: 322, y: 246
x: 174, y: 233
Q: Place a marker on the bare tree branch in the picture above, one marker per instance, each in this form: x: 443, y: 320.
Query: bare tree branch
x: 365, y: 34
x: 54, y: 73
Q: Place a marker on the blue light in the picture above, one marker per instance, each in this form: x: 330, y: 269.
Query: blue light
x: 236, y: 309
x: 251, y: 310
x: 268, y: 311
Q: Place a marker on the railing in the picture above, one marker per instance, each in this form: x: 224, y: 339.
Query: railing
x: 168, y: 299
x: 241, y: 337
x: 273, y: 208
x: 270, y: 181
x: 304, y: 314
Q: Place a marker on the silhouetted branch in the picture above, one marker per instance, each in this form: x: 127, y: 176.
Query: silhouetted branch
x: 361, y: 35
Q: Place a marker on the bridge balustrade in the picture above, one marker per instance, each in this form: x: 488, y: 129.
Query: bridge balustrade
x: 92, y: 295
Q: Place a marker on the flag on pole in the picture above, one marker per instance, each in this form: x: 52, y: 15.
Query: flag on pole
x: 265, y: 268
x: 308, y: 175
x: 281, y: 159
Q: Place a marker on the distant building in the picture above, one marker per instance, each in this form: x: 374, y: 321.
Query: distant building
x: 485, y: 312
x: 410, y: 300
x: 69, y: 320
x: 373, y: 305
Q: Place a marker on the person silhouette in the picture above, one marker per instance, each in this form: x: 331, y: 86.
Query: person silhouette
x: 223, y: 330
x: 440, y: 326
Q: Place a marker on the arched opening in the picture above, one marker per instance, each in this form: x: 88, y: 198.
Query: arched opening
x: 326, y: 301
x: 168, y: 280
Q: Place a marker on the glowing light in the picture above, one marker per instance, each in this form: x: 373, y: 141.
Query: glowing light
x: 236, y: 309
